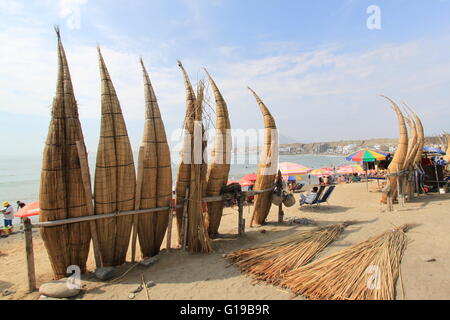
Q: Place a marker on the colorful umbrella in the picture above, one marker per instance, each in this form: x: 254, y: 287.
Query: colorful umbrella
x: 249, y: 177
x: 293, y: 169
x: 366, y: 155
x: 350, y: 169
x: 29, y: 210
x: 322, y: 172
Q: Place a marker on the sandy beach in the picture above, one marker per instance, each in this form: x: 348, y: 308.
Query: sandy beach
x: 180, y: 275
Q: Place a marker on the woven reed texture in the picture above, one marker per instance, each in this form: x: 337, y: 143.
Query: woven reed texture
x: 219, y: 167
x: 399, y: 156
x: 447, y: 156
x: 421, y: 140
x: 157, y: 176
x: 61, y: 193
x: 412, y: 143
x: 269, y: 158
x: 115, y: 177
x: 184, y: 170
x: 198, y: 240
x: 366, y: 271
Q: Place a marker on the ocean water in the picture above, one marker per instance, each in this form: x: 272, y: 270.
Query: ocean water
x: 19, y: 176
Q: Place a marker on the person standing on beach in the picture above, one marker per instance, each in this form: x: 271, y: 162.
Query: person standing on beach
x: 8, y: 214
x: 20, y: 205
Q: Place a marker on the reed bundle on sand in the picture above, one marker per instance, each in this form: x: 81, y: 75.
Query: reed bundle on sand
x: 396, y: 165
x: 157, y: 175
x: 115, y: 177
x: 61, y: 193
x: 219, y: 167
x: 271, y: 261
x: 197, y: 238
x: 366, y: 271
x: 184, y: 170
x: 267, y: 167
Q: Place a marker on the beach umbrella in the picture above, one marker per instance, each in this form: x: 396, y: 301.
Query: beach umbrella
x: 293, y: 169
x: 292, y: 178
x: 322, y: 172
x: 250, y: 177
x: 29, y: 210
x: 366, y: 155
x: 350, y: 169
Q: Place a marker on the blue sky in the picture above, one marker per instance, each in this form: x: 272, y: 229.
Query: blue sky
x: 316, y: 65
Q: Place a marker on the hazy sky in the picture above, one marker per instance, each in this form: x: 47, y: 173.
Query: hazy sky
x: 315, y: 64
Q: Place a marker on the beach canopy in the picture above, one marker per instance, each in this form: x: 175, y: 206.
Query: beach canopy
x: 242, y: 182
x: 350, y: 169
x: 292, y: 178
x: 366, y: 155
x: 322, y: 172
x: 249, y: 177
x: 293, y: 169
x: 433, y: 150
x: 29, y: 210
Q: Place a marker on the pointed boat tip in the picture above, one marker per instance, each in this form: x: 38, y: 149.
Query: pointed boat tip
x: 179, y: 63
x: 58, y: 31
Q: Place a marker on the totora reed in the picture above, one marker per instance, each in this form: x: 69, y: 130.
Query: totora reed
x: 271, y: 261
x: 219, y: 167
x: 366, y: 271
x: 115, y: 177
x: 157, y: 175
x: 267, y: 167
x: 61, y: 193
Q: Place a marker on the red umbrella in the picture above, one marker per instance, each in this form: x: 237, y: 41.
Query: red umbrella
x: 29, y: 210
x: 249, y: 177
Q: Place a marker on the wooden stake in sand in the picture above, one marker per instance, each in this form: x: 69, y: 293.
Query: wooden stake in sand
x: 366, y: 271
x: 272, y: 260
x: 29, y: 253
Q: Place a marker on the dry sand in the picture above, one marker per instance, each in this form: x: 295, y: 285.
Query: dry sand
x: 179, y: 275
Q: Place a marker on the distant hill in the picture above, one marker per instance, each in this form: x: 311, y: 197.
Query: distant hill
x: 346, y: 146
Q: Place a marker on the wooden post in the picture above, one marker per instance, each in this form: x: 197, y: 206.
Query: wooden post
x: 29, y: 254
x: 169, y: 226
x: 137, y: 201
x: 184, y: 223
x: 280, y: 213
x: 86, y: 177
x: 241, y: 221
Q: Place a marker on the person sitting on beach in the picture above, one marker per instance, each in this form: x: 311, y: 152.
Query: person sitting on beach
x: 310, y: 197
x: 8, y: 214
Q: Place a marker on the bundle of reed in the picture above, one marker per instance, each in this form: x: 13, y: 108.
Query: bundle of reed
x: 447, y: 156
x: 394, y: 179
x: 198, y: 240
x: 219, y: 167
x: 184, y: 170
x: 115, y: 177
x: 366, y: 271
x: 271, y: 261
x: 420, y: 139
x: 156, y: 189
x: 267, y: 167
x: 410, y: 156
x: 61, y: 193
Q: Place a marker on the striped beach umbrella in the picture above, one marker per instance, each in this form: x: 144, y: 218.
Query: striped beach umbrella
x: 350, y: 169
x: 293, y: 169
x: 322, y: 172
x: 366, y: 155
